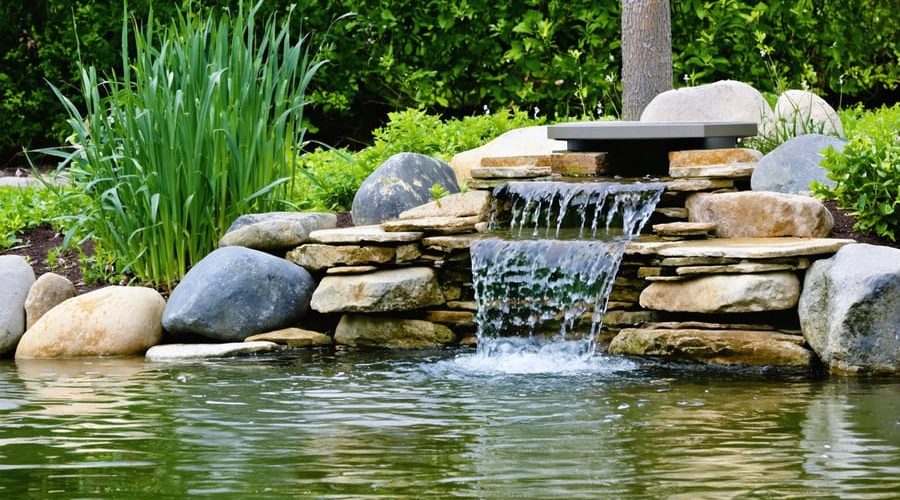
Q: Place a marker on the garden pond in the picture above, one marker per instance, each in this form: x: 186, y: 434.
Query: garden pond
x: 440, y: 424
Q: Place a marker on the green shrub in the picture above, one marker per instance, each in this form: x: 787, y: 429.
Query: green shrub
x: 26, y: 208
x: 329, y: 178
x: 867, y: 172
x: 198, y: 128
x: 455, y: 57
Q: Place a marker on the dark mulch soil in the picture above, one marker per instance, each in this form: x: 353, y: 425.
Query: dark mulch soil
x: 843, y: 228
x: 37, y: 243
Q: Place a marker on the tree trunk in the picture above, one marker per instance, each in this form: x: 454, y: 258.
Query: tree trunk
x: 646, y: 54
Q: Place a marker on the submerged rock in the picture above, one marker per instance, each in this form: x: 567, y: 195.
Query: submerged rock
x: 48, y: 291
x: 112, y: 321
x: 727, y: 100
x: 850, y: 309
x: 274, y: 230
x: 293, y: 337
x: 188, y: 352
x: 16, y: 278
x: 235, y: 292
x: 392, y: 290
x: 736, y: 293
x: 721, y: 347
x: 761, y: 214
x: 402, y: 182
x: 360, y: 330
x: 794, y: 165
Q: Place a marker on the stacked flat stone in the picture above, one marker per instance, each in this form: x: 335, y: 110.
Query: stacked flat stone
x: 403, y: 284
x: 702, y: 171
x: 497, y: 170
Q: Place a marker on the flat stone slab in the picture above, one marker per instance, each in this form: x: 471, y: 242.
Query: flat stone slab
x: 452, y: 242
x: 194, y: 352
x: 269, y: 231
x: 734, y: 293
x: 739, y: 248
x: 743, y: 268
x: 363, y: 234
x: 351, y: 270
x: 734, y: 171
x: 381, y: 291
x: 692, y: 185
x: 292, y: 337
x: 721, y: 347
x: 684, y: 229
x: 516, y: 161
x: 516, y: 172
x: 636, y: 131
x: 455, y: 205
x: 440, y: 225
x: 317, y: 256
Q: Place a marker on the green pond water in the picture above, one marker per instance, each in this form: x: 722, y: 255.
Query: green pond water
x: 440, y: 424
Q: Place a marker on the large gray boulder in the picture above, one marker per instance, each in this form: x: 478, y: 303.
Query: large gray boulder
x: 726, y: 100
x: 792, y: 166
x: 402, y: 182
x: 273, y: 230
x: 807, y: 113
x: 850, y: 309
x: 235, y: 292
x: 16, y: 278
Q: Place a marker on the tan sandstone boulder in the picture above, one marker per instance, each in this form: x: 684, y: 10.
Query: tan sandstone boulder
x: 112, y: 321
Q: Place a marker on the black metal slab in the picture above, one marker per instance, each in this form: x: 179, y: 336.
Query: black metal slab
x: 640, y: 148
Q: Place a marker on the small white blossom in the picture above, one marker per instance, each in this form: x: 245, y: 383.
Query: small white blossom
x: 487, y: 110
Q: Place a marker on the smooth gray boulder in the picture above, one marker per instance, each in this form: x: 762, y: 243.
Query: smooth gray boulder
x: 402, y: 182
x: 792, y: 166
x: 16, y: 278
x: 850, y: 309
x: 273, y: 230
x: 235, y: 292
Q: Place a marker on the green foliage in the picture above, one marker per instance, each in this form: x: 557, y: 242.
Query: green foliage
x: 455, y: 57
x: 438, y: 191
x: 867, y: 172
x: 26, y: 208
x: 329, y: 178
x: 198, y: 128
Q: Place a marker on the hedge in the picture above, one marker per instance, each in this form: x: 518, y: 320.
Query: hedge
x: 550, y: 57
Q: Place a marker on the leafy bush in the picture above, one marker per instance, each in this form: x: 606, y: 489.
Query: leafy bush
x: 26, y: 208
x: 455, y: 57
x: 199, y: 128
x: 329, y: 178
x: 867, y: 172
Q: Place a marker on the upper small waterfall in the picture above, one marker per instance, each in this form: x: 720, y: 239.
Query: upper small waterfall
x: 559, y: 249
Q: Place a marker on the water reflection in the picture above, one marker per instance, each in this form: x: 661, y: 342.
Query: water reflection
x: 357, y: 426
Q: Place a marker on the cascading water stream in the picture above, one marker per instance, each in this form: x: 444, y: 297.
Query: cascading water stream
x: 555, y: 263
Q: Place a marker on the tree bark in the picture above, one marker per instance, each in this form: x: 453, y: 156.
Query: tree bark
x: 646, y: 54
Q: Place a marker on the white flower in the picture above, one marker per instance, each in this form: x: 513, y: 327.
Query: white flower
x: 487, y: 110
x: 537, y: 111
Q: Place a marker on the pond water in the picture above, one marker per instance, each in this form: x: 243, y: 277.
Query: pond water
x: 439, y: 424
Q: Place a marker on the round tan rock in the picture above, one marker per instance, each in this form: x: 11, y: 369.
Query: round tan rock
x: 112, y: 321
x: 360, y: 330
x: 47, y: 292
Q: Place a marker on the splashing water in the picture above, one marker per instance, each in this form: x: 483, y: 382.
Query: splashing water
x: 533, y: 293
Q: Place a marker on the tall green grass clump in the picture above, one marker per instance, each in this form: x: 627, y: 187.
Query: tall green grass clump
x: 201, y: 126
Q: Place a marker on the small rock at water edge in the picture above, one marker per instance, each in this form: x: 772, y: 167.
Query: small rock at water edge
x: 389, y: 333
x: 47, y: 292
x: 195, y: 352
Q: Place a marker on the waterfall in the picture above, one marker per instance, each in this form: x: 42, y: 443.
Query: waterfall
x: 555, y: 261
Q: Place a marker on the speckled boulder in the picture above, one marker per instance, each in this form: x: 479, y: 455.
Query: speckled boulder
x: 235, y: 292
x: 725, y: 100
x: 850, y: 309
x: 402, y: 182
